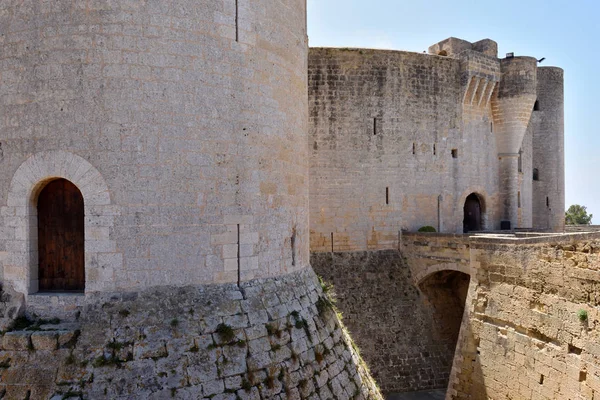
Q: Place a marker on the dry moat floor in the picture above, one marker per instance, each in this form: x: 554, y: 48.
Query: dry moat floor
x: 423, y: 395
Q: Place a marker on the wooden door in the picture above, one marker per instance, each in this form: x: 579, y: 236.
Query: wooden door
x: 472, y: 219
x: 61, y: 237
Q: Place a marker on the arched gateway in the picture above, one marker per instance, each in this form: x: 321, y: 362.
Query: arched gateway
x: 472, y: 214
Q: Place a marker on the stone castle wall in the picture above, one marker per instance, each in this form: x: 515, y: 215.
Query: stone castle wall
x: 183, y: 124
x: 386, y: 121
x: 398, y: 140
x: 530, y: 328
x: 272, y: 339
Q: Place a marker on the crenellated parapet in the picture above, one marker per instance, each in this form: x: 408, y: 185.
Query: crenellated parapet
x: 454, y: 46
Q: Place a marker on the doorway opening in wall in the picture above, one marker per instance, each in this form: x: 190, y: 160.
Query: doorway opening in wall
x: 61, y: 251
x: 445, y: 293
x: 472, y: 214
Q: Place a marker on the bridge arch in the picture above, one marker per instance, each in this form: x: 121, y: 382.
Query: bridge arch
x: 419, y: 276
x: 444, y: 289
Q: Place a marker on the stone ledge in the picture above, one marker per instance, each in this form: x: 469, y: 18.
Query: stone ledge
x: 65, y: 306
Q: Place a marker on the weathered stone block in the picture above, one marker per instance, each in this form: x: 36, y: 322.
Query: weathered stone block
x: 66, y: 338
x: 18, y: 341
x: 214, y: 387
x: 147, y: 349
x: 252, y: 394
x: 44, y: 340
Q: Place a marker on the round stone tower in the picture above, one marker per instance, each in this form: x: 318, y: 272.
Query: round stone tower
x: 548, y: 150
x: 182, y: 123
x: 511, y: 108
x: 154, y: 194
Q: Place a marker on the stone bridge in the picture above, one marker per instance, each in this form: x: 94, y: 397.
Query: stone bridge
x: 430, y: 253
x: 487, y: 316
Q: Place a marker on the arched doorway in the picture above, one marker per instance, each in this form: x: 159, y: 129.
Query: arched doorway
x: 61, y: 238
x: 472, y: 214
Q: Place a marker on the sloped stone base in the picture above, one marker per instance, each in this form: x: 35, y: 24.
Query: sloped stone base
x: 269, y: 339
x: 11, y: 306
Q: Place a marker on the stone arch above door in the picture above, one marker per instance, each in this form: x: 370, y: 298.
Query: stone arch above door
x: 20, y: 215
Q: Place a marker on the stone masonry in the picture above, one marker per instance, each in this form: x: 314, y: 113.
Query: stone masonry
x: 399, y: 140
x: 394, y: 321
x: 190, y: 128
x: 530, y: 326
x: 183, y: 124
x: 275, y: 338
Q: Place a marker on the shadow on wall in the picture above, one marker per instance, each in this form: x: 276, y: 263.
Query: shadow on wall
x: 467, y: 375
x: 407, y: 335
x: 445, y: 293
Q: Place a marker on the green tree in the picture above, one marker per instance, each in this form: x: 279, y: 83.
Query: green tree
x: 577, y: 215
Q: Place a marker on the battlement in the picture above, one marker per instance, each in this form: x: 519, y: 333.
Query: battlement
x: 454, y: 46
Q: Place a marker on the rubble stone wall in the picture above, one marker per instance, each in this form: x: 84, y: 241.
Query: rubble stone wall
x: 275, y: 338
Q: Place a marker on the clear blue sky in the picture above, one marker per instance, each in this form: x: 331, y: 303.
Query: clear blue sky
x: 566, y: 33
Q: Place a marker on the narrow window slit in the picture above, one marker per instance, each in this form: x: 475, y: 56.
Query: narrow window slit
x: 237, y: 21
x: 374, y: 126
x: 293, y: 241
x: 332, y: 242
x: 547, y: 201
x: 454, y: 153
x: 414, y: 150
x: 541, y: 379
x: 434, y: 149
x: 519, y: 199
x: 387, y: 195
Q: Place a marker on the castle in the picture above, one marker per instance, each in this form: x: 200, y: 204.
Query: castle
x: 456, y: 139
x: 172, y: 169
